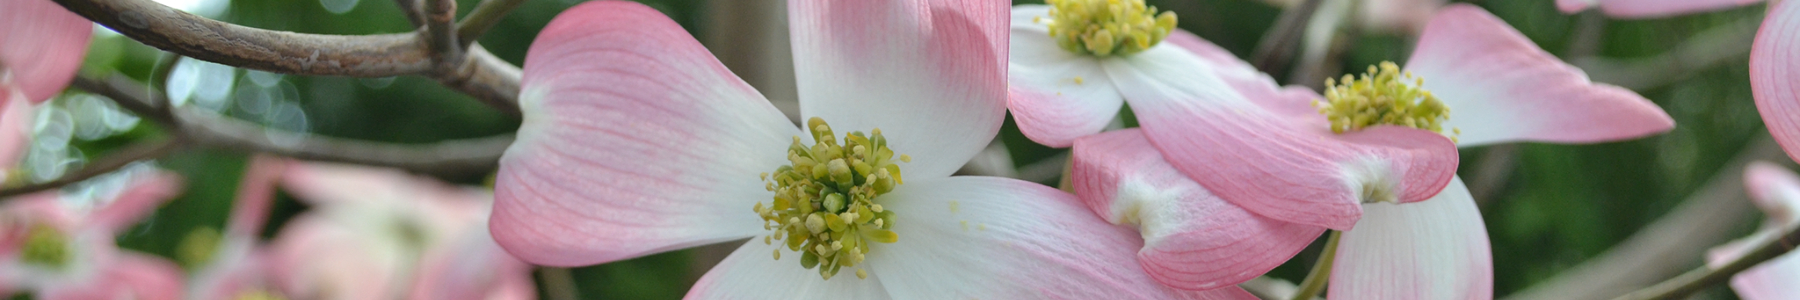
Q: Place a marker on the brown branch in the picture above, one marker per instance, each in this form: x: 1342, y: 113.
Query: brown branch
x: 414, y: 14
x: 208, y: 129
x: 1645, y: 258
x: 1693, y: 281
x: 1278, y: 45
x: 484, y: 17
x: 379, y: 55
x: 440, y: 19
x: 99, y: 167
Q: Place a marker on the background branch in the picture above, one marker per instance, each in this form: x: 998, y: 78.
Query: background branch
x: 99, y: 167
x: 483, y: 76
x: 483, y: 17
x: 1278, y: 46
x: 1693, y: 281
x: 208, y: 129
x: 1672, y: 243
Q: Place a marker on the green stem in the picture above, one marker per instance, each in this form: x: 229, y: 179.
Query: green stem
x: 1694, y: 281
x: 1321, y: 271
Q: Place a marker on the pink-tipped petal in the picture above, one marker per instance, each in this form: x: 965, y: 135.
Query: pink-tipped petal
x: 999, y: 238
x: 1264, y: 154
x: 1775, y: 74
x: 1501, y: 88
x: 930, y: 74
x: 1776, y: 191
x: 1645, y: 9
x: 15, y: 127
x: 1055, y: 95
x: 752, y: 272
x: 141, y: 197
x: 1193, y: 240
x: 256, y: 192
x: 635, y: 141
x: 125, y: 276
x: 41, y: 46
x: 1434, y: 249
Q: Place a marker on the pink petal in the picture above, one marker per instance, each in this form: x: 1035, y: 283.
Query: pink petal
x: 1265, y: 154
x: 471, y: 267
x: 999, y: 238
x: 752, y: 272
x: 15, y: 127
x: 1775, y: 74
x: 41, y: 45
x: 1501, y: 88
x: 316, y: 259
x: 256, y: 192
x: 328, y: 184
x: 144, y: 194
x: 1776, y: 191
x: 1193, y: 240
x: 635, y: 141
x: 237, y: 267
x: 1056, y: 95
x: 930, y: 74
x: 1644, y: 9
x: 125, y: 276
x: 1435, y: 249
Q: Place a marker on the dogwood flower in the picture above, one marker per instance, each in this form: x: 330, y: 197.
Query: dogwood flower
x: 637, y: 141
x: 1281, y: 162
x: 60, y: 246
x: 383, y: 234
x: 1499, y: 87
x: 1643, y: 9
x: 1777, y: 192
x: 41, y: 47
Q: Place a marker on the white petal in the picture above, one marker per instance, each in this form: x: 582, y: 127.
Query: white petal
x: 752, y: 272
x: 1432, y: 249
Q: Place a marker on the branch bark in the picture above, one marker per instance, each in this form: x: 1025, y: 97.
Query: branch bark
x: 482, y: 75
x: 104, y: 165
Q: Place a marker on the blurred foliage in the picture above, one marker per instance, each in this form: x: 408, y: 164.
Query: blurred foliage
x: 1560, y: 205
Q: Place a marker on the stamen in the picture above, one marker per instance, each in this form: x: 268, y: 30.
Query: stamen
x: 832, y: 188
x: 1107, y: 27
x: 1383, y: 96
x: 46, y: 246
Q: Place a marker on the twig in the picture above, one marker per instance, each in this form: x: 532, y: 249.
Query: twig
x: 1699, y: 222
x: 1693, y: 281
x: 99, y: 167
x: 205, y: 128
x: 478, y: 74
x: 558, y: 283
x: 483, y: 17
x: 414, y: 14
x: 440, y: 17
x: 1278, y: 45
x: 1321, y: 271
x: 1496, y: 166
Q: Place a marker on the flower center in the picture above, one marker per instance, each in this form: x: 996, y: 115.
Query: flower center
x: 1107, y: 27
x: 198, y: 247
x: 1383, y: 96
x: 824, y: 199
x: 259, y: 294
x: 46, y: 246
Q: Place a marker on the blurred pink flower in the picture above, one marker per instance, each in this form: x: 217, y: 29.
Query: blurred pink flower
x: 41, y: 47
x: 1222, y: 123
x: 1499, y: 87
x: 1777, y: 192
x: 60, y: 246
x: 636, y: 140
x: 384, y: 234
x: 237, y: 266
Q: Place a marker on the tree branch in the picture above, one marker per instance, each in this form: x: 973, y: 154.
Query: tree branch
x: 414, y: 14
x: 1278, y: 45
x: 208, y: 129
x: 484, y: 17
x: 99, y: 167
x: 1698, y: 223
x: 483, y: 76
x: 1693, y: 281
x: 440, y: 22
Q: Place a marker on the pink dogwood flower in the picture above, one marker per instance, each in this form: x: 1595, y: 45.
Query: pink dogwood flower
x: 41, y: 47
x: 60, y: 246
x: 1499, y: 88
x: 383, y: 234
x: 636, y: 140
x: 1284, y: 162
x: 1777, y: 192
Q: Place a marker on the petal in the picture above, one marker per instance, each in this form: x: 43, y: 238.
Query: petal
x: 752, y: 272
x: 635, y: 141
x: 471, y: 267
x: 1055, y: 95
x: 1776, y: 190
x: 1501, y: 88
x: 930, y: 74
x: 41, y: 45
x: 1000, y: 238
x: 15, y: 127
x: 1435, y: 249
x: 126, y: 276
x: 255, y: 195
x: 1644, y: 9
x: 315, y: 258
x: 141, y: 197
x: 1775, y: 74
x: 1193, y: 240
x: 1265, y: 154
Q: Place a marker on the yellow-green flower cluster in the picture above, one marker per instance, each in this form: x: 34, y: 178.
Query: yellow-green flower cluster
x: 46, y: 246
x: 824, y: 199
x: 1107, y: 27
x: 1383, y: 96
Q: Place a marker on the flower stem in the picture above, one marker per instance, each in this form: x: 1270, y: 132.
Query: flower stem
x: 1693, y: 281
x: 1321, y: 271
